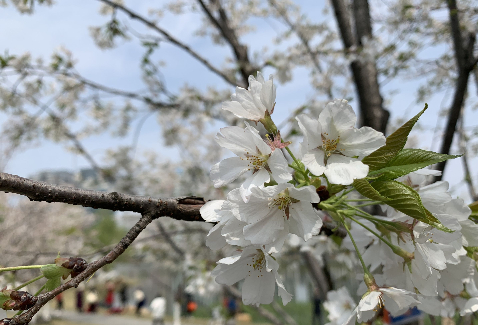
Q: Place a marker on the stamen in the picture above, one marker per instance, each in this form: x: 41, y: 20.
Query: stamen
x: 329, y: 145
x: 258, y: 262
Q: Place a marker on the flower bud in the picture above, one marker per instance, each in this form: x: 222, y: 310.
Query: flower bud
x: 76, y: 264
x: 19, y: 300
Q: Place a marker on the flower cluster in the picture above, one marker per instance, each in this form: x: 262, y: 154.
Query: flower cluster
x: 421, y: 253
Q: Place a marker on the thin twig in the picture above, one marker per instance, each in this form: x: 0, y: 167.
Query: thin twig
x: 171, y: 39
x: 119, y: 249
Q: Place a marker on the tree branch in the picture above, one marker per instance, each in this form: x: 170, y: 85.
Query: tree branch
x: 183, y: 208
x: 365, y: 76
x: 465, y: 62
x: 264, y: 312
x: 171, y: 39
x: 119, y: 249
x: 464, y: 159
x: 170, y: 241
x: 303, y: 39
x: 229, y: 34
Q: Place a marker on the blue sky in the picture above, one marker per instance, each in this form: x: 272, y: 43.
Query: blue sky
x: 66, y: 24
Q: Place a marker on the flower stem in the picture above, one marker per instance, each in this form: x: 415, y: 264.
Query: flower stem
x: 41, y: 289
x: 396, y: 249
x: 15, y: 268
x: 359, y: 200
x: 366, y: 204
x: 297, y: 163
x: 27, y: 283
x: 365, y: 268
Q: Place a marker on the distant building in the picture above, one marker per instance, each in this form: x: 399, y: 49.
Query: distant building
x: 84, y: 178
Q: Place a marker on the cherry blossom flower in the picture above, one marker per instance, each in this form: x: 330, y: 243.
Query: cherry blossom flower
x: 273, y: 209
x: 254, y: 102
x: 253, y: 154
x: 334, y: 147
x: 339, y: 305
x: 396, y: 301
x: 259, y: 269
x: 228, y: 228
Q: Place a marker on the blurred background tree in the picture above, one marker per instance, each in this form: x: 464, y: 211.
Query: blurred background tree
x: 385, y: 57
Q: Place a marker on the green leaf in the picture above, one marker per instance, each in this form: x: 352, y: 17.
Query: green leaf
x: 51, y: 271
x: 3, y: 298
x: 406, y: 200
x: 409, y: 160
x: 399, y: 196
x: 363, y: 187
x: 52, y: 283
x: 394, y: 143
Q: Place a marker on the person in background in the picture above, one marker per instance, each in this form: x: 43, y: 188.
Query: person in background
x: 123, y: 293
x: 191, y: 305
x: 158, y: 309
x: 316, y: 312
x: 140, y: 300
x: 79, y: 300
x: 59, y: 301
x: 110, y: 294
x: 231, y: 307
x: 92, y: 302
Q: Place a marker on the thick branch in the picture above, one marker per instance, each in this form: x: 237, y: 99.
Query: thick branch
x: 171, y: 39
x: 186, y: 208
x: 365, y: 76
x: 317, y: 274
x: 465, y: 62
x: 119, y: 249
x: 456, y: 34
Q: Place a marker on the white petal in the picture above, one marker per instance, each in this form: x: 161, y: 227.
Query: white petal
x: 208, y: 212
x: 230, y: 274
x: 343, y: 170
x: 257, y: 179
x: 214, y: 239
x: 268, y: 94
x: 254, y: 210
x: 312, y: 131
x: 227, y: 170
x: 306, y: 194
x: 309, y: 223
x: 314, y: 161
x: 433, y: 255
x: 281, y: 172
x: 367, y: 306
x: 430, y: 305
x: 234, y: 233
x: 470, y: 232
x: 258, y: 288
x: 285, y: 296
x: 266, y: 230
x: 398, y: 301
x: 242, y: 141
x: 340, y: 113
x: 237, y: 109
x: 360, y: 142
x: 471, y: 306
